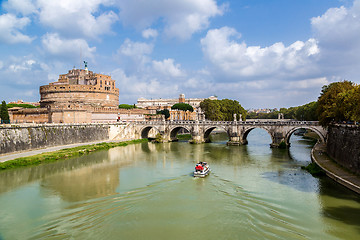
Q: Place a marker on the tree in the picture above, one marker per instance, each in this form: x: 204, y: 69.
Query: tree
x: 183, y: 106
x: 4, y: 114
x: 351, y: 103
x: 331, y: 103
x: 164, y: 112
x: 222, y: 110
x: 127, y: 106
x: 211, y: 109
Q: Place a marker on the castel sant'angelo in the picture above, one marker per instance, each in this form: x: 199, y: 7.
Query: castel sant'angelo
x: 78, y: 96
x: 80, y: 88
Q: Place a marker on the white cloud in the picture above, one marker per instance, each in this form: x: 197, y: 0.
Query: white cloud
x: 21, y: 73
x: 24, y: 66
x: 10, y: 27
x: 142, y: 85
x: 135, y: 49
x: 338, y: 34
x: 181, y: 18
x: 134, y: 56
x: 67, y: 48
x: 236, y: 59
x: 80, y: 18
x: 149, y: 33
x: 308, y: 83
x: 339, y: 27
x: 25, y: 7
x: 168, y: 68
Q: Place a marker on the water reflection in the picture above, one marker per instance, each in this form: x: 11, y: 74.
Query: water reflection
x: 11, y: 179
x: 146, y: 191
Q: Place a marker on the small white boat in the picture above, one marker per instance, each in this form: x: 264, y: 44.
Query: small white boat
x: 202, y: 169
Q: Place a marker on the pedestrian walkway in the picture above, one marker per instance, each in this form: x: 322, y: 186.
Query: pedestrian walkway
x: 334, y: 170
x: 12, y: 156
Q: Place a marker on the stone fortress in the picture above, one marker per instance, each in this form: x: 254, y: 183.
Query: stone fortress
x: 80, y: 88
x: 79, y: 96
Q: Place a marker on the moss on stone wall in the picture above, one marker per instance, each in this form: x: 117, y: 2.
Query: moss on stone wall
x: 314, y: 170
x: 63, y: 154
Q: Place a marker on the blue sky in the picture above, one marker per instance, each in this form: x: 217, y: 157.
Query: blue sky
x: 263, y: 53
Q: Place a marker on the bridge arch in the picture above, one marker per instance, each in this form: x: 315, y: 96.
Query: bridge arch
x: 314, y: 129
x: 144, y: 132
x: 174, y: 131
x: 208, y: 130
x: 248, y: 130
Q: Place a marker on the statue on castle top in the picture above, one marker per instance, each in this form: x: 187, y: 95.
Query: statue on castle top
x: 85, y: 64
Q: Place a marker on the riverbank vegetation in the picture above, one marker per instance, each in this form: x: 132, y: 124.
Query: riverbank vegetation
x: 63, y: 154
x: 222, y: 110
x: 314, y: 170
x: 183, y: 136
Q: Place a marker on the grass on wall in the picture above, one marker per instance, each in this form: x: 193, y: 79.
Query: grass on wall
x: 63, y: 154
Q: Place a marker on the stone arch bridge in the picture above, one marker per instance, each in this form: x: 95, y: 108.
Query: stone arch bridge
x: 279, y: 130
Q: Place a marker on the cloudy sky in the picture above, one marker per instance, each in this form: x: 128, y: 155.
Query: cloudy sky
x: 262, y: 53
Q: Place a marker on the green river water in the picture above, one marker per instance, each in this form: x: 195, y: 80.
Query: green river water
x: 146, y: 191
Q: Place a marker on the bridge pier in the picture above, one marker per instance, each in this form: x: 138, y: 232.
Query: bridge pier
x: 235, y: 134
x: 234, y: 141
x: 278, y: 140
x: 197, y: 140
x: 197, y: 135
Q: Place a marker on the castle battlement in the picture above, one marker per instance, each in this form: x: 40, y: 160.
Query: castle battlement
x: 80, y: 88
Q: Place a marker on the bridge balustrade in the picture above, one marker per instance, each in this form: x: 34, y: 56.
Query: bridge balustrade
x: 280, y: 130
x: 262, y: 123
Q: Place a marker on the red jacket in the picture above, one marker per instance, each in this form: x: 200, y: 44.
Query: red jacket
x: 199, y: 167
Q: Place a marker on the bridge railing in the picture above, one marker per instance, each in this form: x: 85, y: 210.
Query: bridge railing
x: 254, y: 122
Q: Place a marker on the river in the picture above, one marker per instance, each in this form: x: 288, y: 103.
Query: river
x: 146, y: 191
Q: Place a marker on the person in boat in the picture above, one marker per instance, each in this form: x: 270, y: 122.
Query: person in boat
x: 199, y: 167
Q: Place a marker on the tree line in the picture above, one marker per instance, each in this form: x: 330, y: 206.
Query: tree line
x: 339, y: 102
x: 307, y: 112
x: 222, y: 110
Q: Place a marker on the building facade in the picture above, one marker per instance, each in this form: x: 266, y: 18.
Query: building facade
x: 167, y: 103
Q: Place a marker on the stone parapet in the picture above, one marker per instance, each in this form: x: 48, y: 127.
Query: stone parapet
x: 343, y: 146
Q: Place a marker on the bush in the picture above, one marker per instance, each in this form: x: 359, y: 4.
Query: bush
x: 127, y: 106
x: 11, y: 105
x: 164, y: 112
x: 183, y: 106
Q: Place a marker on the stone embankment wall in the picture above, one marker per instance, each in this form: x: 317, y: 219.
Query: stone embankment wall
x: 343, y: 145
x: 22, y: 137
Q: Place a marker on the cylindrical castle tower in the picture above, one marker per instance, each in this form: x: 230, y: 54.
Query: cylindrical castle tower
x: 80, y: 89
